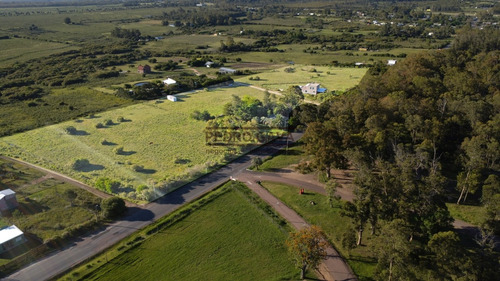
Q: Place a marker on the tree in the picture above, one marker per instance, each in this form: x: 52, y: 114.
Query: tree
x: 113, y: 207
x: 448, y: 256
x: 67, y: 20
x: 70, y: 195
x: 330, y: 188
x: 308, y: 248
x: 393, y: 250
x: 257, y: 161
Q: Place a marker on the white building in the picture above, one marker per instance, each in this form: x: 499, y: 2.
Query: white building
x: 10, y: 237
x: 169, y: 81
x: 171, y: 98
x: 391, y: 62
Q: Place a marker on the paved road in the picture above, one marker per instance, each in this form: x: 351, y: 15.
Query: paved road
x: 137, y: 218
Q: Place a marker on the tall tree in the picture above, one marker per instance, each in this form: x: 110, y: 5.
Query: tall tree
x: 307, y: 247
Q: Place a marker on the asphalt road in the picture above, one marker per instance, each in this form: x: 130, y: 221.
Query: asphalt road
x: 137, y: 218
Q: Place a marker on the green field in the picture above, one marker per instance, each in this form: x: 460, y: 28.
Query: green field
x: 228, y: 238
x: 330, y: 221
x: 157, y: 135
x: 20, y: 50
x: 332, y: 78
x: 468, y: 213
x: 284, y: 158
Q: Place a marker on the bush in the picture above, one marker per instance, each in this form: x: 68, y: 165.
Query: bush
x: 120, y: 119
x: 108, y: 122
x: 108, y: 185
x: 137, y: 168
x: 80, y: 164
x: 70, y: 130
x: 99, y: 125
x: 118, y: 150
x: 113, y: 207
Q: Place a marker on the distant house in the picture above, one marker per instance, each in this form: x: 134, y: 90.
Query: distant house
x: 225, y: 70
x: 358, y: 64
x: 144, y: 69
x: 362, y: 49
x: 391, y: 62
x: 169, y: 81
x: 171, y: 98
x: 8, y: 200
x: 209, y: 64
x: 10, y: 237
x: 312, y: 89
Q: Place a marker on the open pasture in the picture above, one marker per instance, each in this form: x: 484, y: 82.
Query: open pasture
x: 20, y: 49
x: 227, y: 238
x: 332, y: 78
x: 137, y: 145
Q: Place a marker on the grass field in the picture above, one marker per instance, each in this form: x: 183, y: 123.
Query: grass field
x: 159, y: 136
x: 284, y: 158
x: 330, y: 221
x: 227, y: 238
x: 20, y: 50
x: 44, y: 211
x: 468, y: 213
x: 332, y: 78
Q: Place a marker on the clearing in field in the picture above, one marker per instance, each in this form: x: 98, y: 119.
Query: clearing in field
x: 332, y: 78
x: 144, y: 147
x: 229, y: 237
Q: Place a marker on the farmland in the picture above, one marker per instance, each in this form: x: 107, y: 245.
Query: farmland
x: 332, y: 78
x: 228, y: 237
x: 157, y: 136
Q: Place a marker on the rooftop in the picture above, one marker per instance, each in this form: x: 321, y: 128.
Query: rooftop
x: 8, y: 233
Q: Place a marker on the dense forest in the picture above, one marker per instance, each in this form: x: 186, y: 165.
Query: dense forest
x: 420, y: 133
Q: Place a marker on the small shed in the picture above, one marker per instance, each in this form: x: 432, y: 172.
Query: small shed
x: 169, y: 81
x: 391, y: 62
x: 10, y: 237
x: 144, y: 69
x: 209, y: 64
x: 8, y: 200
x: 225, y: 70
x: 171, y: 98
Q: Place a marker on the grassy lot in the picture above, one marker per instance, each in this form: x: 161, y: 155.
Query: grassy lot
x: 332, y: 78
x: 468, y: 213
x: 20, y: 50
x: 159, y: 136
x: 330, y: 221
x: 45, y: 211
x: 223, y: 236
x: 186, y: 42
x: 284, y: 158
x: 60, y: 105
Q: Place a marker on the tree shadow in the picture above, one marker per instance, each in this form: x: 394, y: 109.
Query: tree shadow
x: 127, y: 153
x: 147, y: 171
x: 80, y: 133
x: 138, y: 214
x: 108, y: 143
x: 91, y: 168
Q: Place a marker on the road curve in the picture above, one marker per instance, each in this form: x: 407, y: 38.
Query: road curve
x: 138, y: 217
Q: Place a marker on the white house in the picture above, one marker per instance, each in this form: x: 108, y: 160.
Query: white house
x: 225, y: 70
x: 171, y: 98
x: 10, y: 237
x: 391, y: 62
x: 209, y: 64
x: 312, y: 89
x: 169, y: 81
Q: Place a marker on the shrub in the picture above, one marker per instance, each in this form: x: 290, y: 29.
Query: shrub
x: 137, y: 168
x: 99, y: 125
x: 70, y: 130
x: 108, y: 185
x: 108, y: 122
x: 118, y: 150
x: 80, y: 164
x: 105, y: 142
x: 120, y: 119
x: 113, y: 207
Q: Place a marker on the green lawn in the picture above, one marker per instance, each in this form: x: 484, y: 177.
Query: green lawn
x: 157, y: 135
x: 468, y: 213
x: 226, y: 238
x: 284, y: 158
x: 330, y: 221
x: 332, y: 78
